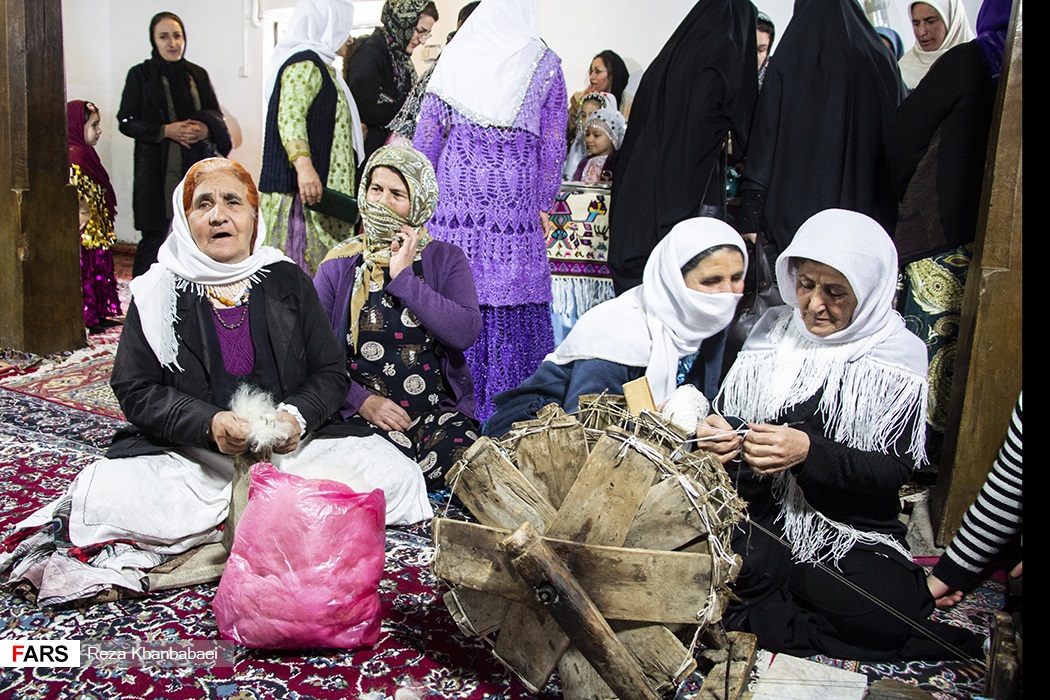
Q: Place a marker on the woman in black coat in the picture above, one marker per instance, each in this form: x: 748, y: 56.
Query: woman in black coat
x: 380, y: 73
x: 169, y: 108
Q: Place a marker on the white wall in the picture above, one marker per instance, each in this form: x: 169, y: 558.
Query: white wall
x: 104, y: 38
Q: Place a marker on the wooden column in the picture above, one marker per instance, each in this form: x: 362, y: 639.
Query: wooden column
x: 40, y: 294
x: 988, y: 369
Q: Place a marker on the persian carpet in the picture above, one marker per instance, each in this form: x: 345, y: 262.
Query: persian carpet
x: 44, y: 443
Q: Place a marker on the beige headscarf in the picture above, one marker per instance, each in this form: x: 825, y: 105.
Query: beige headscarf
x: 381, y: 224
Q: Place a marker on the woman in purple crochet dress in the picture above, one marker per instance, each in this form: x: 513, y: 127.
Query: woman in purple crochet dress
x: 98, y: 209
x: 493, y: 123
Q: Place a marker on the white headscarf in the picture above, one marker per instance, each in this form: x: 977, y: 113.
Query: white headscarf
x: 872, y: 372
x: 578, y: 147
x: 321, y: 26
x: 661, y: 321
x: 611, y: 122
x: 915, y: 61
x: 181, y: 265
x: 486, y: 71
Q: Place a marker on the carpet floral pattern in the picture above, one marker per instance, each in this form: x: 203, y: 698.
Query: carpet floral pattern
x: 44, y: 444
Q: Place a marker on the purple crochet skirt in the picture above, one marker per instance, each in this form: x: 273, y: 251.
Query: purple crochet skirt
x: 513, y: 342
x: 99, y: 283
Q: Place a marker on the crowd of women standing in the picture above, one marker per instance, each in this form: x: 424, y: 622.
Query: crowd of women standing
x: 434, y: 312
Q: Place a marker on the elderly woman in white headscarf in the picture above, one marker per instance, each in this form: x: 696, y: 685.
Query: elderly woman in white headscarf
x: 313, y: 140
x: 690, y: 289
x: 938, y: 25
x: 217, y: 312
x: 821, y: 422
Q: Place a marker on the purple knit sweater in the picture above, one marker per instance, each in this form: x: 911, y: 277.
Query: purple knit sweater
x: 445, y: 304
x: 494, y: 182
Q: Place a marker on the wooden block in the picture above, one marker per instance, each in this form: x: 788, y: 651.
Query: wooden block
x: 639, y: 396
x: 667, y: 518
x: 551, y: 459
x: 664, y: 661
x: 625, y: 584
x: 494, y: 490
x: 728, y: 679
x: 569, y: 605
x: 599, y: 509
x: 476, y: 613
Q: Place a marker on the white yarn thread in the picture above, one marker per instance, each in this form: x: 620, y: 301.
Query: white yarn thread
x: 259, y: 410
x: 686, y: 407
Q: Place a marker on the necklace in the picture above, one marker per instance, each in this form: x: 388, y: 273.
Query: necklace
x: 244, y: 315
x: 240, y: 300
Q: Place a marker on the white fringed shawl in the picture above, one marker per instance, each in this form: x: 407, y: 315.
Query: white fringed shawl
x: 871, y: 374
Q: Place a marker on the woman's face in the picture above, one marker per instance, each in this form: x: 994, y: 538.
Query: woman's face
x: 222, y: 222
x: 928, y: 26
x: 387, y: 187
x: 424, y: 27
x: 167, y: 35
x: 598, y: 142
x: 600, y: 79
x: 93, y: 129
x: 825, y: 298
x: 721, y: 271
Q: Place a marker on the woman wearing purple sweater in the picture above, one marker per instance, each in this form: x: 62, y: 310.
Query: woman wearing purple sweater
x: 493, y: 124
x: 407, y: 308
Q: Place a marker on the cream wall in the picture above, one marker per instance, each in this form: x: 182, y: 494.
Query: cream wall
x: 104, y: 38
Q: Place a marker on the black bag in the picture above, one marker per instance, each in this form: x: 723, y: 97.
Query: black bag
x: 760, y: 294
x: 336, y: 205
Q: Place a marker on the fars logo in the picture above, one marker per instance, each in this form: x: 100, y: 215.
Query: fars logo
x: 39, y: 652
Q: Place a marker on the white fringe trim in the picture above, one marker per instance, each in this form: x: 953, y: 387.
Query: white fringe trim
x: 575, y: 296
x: 814, y: 537
x: 866, y: 404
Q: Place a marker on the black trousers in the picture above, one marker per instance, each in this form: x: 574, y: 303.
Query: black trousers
x: 146, y: 252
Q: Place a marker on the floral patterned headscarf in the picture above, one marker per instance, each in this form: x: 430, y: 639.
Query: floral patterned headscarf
x: 381, y: 224
x: 399, y: 18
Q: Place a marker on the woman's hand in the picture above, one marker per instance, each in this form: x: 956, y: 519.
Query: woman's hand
x: 292, y: 430
x: 715, y: 435
x: 230, y: 433
x: 944, y: 596
x: 310, y: 187
x: 384, y: 413
x: 774, y: 448
x: 403, y: 250
x: 186, y: 132
x: 200, y: 130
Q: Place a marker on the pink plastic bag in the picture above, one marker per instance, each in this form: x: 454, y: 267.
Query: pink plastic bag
x: 305, y: 565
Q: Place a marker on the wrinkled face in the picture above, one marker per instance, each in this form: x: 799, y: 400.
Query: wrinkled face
x: 763, y: 46
x: 222, y: 222
x: 825, y: 298
x: 93, y: 129
x: 387, y: 187
x: 721, y: 271
x: 424, y: 28
x: 598, y: 142
x: 167, y: 35
x: 600, y: 78
x: 928, y: 26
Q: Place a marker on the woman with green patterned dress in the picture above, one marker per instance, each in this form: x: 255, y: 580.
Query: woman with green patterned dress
x: 313, y: 134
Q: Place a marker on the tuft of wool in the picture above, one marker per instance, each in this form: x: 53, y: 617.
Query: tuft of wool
x: 686, y: 407
x: 259, y: 410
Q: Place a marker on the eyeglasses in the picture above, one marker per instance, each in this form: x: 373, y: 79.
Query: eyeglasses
x: 423, y: 34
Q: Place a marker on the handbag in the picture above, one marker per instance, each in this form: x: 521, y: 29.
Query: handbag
x: 760, y: 294
x: 336, y: 205
x: 721, y: 166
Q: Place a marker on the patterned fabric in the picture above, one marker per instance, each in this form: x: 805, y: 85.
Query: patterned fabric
x: 283, y: 213
x: 930, y: 300
x: 399, y: 18
x: 398, y: 357
x: 99, y: 284
x: 404, y: 124
x: 577, y: 252
x: 513, y: 342
x: 381, y: 224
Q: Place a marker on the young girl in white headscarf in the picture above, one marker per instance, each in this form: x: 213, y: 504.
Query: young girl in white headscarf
x: 832, y: 387
x: 591, y: 102
x: 690, y: 290
x: 603, y: 134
